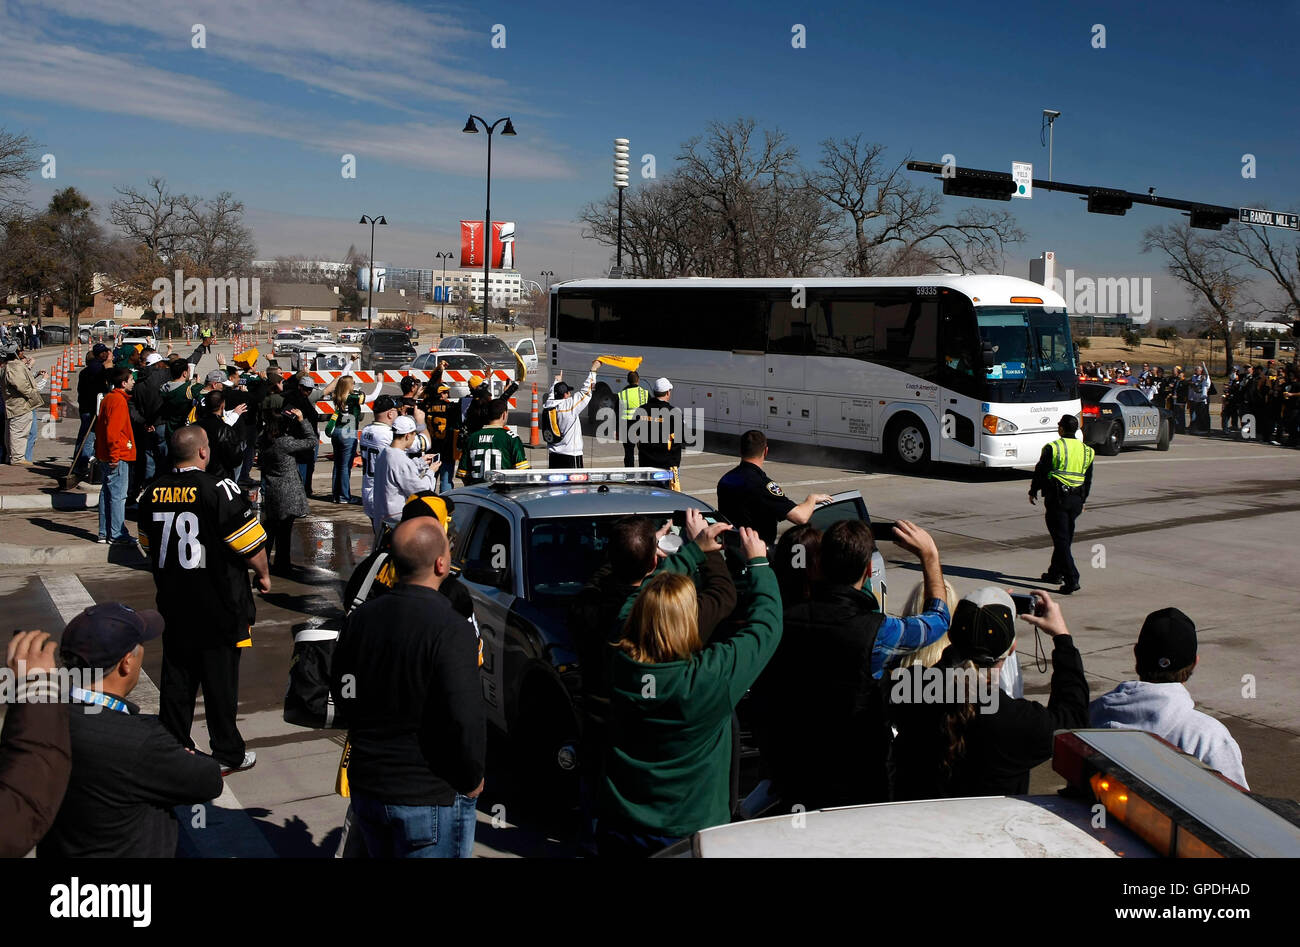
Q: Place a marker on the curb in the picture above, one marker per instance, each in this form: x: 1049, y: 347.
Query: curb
x: 87, y: 553
x: 50, y: 501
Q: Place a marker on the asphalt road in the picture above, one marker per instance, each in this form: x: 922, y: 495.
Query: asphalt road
x: 1209, y: 527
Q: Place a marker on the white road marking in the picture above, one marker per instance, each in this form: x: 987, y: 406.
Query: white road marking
x: 242, y: 837
x: 70, y: 600
x: 1187, y: 460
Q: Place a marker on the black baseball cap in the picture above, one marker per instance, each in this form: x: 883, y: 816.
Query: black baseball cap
x: 562, y: 389
x: 99, y: 349
x: 103, y: 634
x: 384, y: 403
x: 1167, y: 642
x: 983, y: 626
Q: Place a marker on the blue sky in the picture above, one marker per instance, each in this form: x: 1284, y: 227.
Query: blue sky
x: 117, y: 93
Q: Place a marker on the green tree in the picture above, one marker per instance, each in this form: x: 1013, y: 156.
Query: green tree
x: 1167, y: 334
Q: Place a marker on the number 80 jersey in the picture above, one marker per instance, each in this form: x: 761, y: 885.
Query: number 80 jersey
x: 198, y: 532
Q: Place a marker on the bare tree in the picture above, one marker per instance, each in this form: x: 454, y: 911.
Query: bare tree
x: 1206, y: 269
x: 17, y: 161
x: 895, y: 228
x: 1277, y: 257
x: 215, y: 236
x: 152, y: 217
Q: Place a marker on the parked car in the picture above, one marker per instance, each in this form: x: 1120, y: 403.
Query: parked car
x: 386, y: 348
x: 55, y: 335
x: 494, y: 351
x: 104, y: 329
x: 285, y: 342
x: 351, y: 336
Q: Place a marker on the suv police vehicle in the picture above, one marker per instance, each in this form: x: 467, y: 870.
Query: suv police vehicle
x: 524, y: 544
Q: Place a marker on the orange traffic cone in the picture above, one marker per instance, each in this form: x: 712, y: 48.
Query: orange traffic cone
x: 535, y: 432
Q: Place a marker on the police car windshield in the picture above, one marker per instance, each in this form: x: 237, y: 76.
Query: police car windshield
x: 564, y: 551
x: 490, y: 345
x: 1033, y: 355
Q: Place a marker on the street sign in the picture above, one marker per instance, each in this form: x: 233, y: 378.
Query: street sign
x: 1022, y: 175
x: 1269, y: 218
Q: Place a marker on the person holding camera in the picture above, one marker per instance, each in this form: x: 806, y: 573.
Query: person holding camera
x: 399, y: 475
x: 668, y: 767
x: 987, y: 743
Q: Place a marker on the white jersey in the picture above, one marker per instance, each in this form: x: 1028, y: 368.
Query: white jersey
x: 569, y: 416
x: 375, y: 439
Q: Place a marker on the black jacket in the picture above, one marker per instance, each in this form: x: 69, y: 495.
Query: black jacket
x: 414, y: 701
x: 127, y: 774
x: 226, y: 448
x: 821, y: 717
x: 147, y: 393
x: 1000, y: 748
x: 91, y: 383
x: 659, y: 436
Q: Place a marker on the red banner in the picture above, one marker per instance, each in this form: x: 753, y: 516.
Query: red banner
x: 503, y: 244
x: 471, y: 243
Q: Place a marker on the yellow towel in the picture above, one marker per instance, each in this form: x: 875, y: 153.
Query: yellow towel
x: 626, y: 362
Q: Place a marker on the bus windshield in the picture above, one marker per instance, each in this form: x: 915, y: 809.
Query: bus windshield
x: 1032, y: 347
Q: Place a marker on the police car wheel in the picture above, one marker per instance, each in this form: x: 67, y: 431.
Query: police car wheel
x: 546, y: 735
x: 907, y: 444
x: 1165, y: 435
x: 1113, y: 442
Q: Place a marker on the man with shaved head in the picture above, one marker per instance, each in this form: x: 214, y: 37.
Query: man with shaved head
x: 202, y: 538
x: 405, y: 676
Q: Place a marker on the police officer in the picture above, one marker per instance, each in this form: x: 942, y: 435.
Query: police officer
x: 1064, y: 476
x: 749, y: 497
x: 629, y: 399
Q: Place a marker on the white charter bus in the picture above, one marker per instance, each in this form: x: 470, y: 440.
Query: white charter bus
x: 959, y: 369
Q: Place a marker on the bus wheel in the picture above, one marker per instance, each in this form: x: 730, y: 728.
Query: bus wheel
x: 907, y: 444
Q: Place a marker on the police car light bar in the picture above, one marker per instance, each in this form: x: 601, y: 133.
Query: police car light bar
x: 517, y: 478
x: 1172, y: 801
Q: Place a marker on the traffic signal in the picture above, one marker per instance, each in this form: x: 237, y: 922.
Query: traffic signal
x: 1207, y: 218
x: 1105, y: 200
x: 985, y: 185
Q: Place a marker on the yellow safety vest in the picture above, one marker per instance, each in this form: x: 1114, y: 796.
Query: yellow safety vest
x: 632, y: 398
x: 1071, y: 459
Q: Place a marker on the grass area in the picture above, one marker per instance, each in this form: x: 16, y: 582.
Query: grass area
x: 1185, y: 352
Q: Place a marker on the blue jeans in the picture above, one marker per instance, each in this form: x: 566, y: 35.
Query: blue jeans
x: 307, y: 468
x: 112, y: 501
x: 416, y: 831
x: 33, y: 434
x: 447, y: 475
x: 88, y: 446
x: 345, y: 448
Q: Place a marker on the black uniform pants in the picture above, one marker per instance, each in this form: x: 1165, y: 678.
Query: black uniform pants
x: 564, y: 461
x: 1061, y: 512
x: 280, y: 536
x: 186, y: 668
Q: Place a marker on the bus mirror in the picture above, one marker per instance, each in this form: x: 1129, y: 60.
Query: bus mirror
x: 990, y: 356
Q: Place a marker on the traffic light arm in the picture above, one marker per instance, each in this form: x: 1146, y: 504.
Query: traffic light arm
x: 972, y: 182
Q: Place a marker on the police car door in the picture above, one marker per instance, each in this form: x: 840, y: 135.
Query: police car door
x: 488, y: 567
x: 850, y: 505
x: 1141, y: 418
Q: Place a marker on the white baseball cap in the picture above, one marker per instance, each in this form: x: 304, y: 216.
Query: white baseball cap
x: 662, y: 386
x: 403, y: 424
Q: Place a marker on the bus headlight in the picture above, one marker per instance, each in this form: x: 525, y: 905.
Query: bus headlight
x: 996, y: 425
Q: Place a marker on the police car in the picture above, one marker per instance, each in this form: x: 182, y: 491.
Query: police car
x: 524, y: 544
x: 1119, y: 416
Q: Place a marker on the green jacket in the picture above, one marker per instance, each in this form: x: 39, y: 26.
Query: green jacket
x: 177, y: 399
x: 667, y: 770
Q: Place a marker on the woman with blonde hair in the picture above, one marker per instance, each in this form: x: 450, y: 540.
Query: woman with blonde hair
x: 667, y: 766
x: 342, y: 429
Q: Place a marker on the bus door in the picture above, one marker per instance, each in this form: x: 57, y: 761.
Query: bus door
x: 787, y: 406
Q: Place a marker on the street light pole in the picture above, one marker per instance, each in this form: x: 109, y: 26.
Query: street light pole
x: 472, y: 129
x: 620, y: 182
x: 443, y: 255
x: 370, y: 280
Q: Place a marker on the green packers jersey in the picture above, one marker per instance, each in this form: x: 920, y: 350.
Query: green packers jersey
x: 491, y: 448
